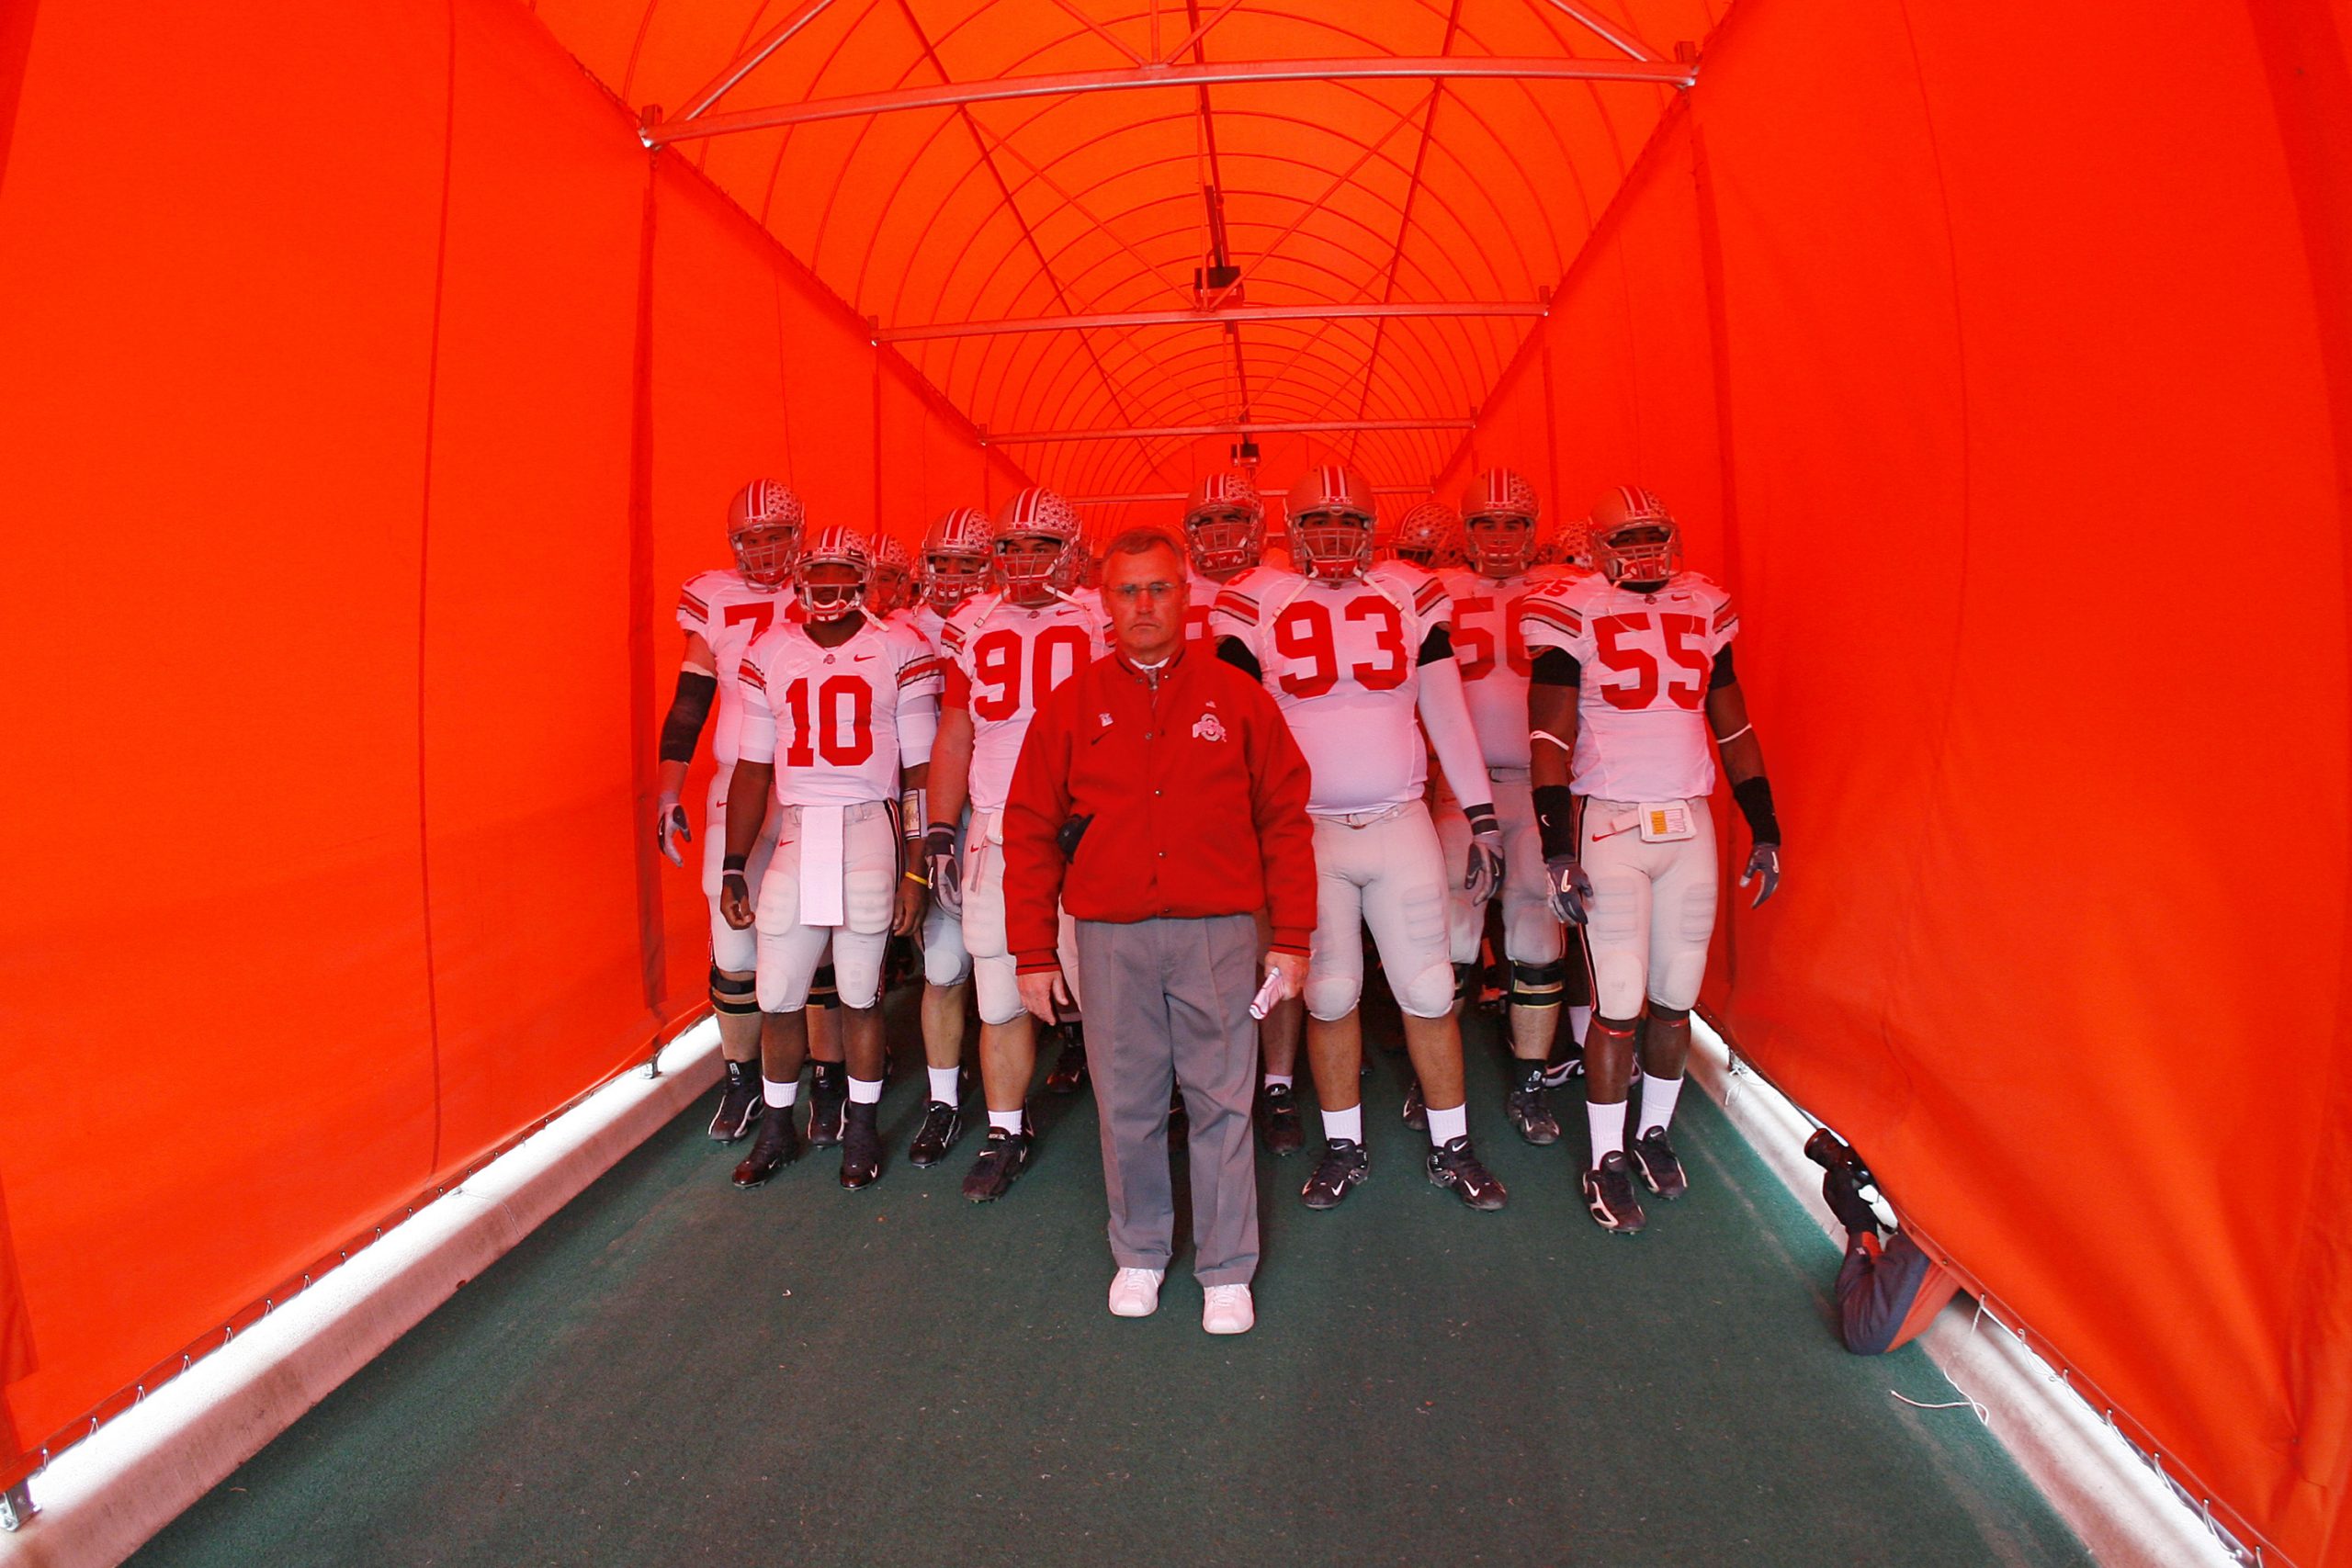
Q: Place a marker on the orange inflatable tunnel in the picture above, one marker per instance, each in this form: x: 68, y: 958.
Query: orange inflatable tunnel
x: 374, y: 373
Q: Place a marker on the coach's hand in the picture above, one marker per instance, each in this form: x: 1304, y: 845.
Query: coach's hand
x: 1292, y: 968
x: 1570, y: 888
x: 1041, y: 990
x: 671, y: 829
x: 735, y: 900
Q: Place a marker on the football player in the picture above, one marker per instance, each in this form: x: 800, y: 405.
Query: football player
x: 721, y: 612
x: 1425, y: 535
x: 1499, y: 518
x: 1351, y: 651
x: 1225, y: 536
x: 894, y: 566
x: 1633, y: 698
x: 955, y: 565
x: 1004, y: 652
x: 850, y: 703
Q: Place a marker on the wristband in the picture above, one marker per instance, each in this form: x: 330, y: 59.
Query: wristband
x: 1754, y: 798
x: 913, y: 811
x: 1481, y: 818
x: 668, y: 802
x: 919, y: 878
x: 733, y: 865
x: 1555, y: 819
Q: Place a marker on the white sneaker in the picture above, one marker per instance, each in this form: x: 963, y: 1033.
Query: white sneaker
x: 1135, y: 1292
x: 1226, y: 1309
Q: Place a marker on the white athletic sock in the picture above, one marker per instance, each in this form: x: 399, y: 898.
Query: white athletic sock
x: 1608, y: 1123
x: 864, y: 1093
x: 1659, y: 1096
x: 779, y: 1094
x: 943, y: 1086
x: 1348, y: 1123
x: 1447, y: 1126
x: 1279, y: 1081
x: 1008, y: 1120
x: 1579, y: 1019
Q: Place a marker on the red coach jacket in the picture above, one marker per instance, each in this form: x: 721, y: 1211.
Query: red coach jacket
x: 1198, y: 799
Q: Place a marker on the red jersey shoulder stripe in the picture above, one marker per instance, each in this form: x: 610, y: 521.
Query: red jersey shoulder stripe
x: 1532, y: 608
x: 919, y: 670
x: 1426, y: 597
x: 1238, y: 605
x: 748, y: 673
x: 1726, y: 616
x: 692, y: 605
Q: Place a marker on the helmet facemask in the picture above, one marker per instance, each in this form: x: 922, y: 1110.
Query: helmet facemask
x: 839, y: 592
x: 1029, y: 564
x: 950, y: 579
x: 1501, y: 544
x: 765, y: 552
x: 1332, y: 545
x: 1224, y: 539
x: 1645, y: 553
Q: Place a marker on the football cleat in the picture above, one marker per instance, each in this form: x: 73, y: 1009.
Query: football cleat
x: 1278, y: 1119
x: 1002, y: 1159
x: 1661, y: 1168
x: 942, y: 1124
x: 1344, y: 1164
x: 1566, y: 1062
x: 1417, y: 1113
x: 1069, y: 1074
x: 1456, y: 1166
x: 740, y: 1103
x: 828, y: 1099
x: 1530, y: 1108
x: 777, y: 1146
x: 1608, y: 1194
x: 861, y: 1146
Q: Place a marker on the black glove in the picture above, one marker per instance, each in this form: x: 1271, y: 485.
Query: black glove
x: 944, y: 864
x: 1485, y: 868
x: 1841, y: 1189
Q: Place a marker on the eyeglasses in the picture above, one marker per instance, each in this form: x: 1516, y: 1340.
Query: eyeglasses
x: 1129, y: 592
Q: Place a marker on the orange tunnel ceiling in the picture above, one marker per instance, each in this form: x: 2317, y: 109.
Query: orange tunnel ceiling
x: 370, y: 387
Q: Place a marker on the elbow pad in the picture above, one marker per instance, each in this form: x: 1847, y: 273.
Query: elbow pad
x: 1555, y: 819
x: 688, y: 711
x: 1232, y: 650
x: 1754, y: 798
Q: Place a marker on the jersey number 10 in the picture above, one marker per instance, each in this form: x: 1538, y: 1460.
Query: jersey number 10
x: 843, y: 733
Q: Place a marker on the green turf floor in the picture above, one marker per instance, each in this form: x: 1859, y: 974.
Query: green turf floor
x: 673, y: 1371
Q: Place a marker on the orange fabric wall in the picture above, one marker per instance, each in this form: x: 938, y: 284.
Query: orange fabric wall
x: 2033, y: 416
x: 339, y: 655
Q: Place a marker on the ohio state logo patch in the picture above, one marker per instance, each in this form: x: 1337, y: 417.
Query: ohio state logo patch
x: 1208, y: 729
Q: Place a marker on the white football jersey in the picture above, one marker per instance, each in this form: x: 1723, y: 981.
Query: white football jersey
x: 828, y: 717
x: 927, y: 621
x: 1201, y: 604
x: 1003, y: 659
x: 730, y: 615
x: 1494, y: 661
x: 1343, y: 660
x: 1647, y: 659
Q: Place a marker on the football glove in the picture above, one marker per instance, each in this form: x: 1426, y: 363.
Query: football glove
x: 1485, y: 870
x: 1764, y: 863
x: 1841, y: 1189
x: 944, y: 867
x: 1568, y: 889
x: 669, y: 828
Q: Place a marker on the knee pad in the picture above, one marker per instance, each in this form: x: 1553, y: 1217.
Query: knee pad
x: 1428, y: 994
x: 1330, y: 998
x: 1537, y: 984
x: 824, y: 990
x: 736, y: 996
x: 1661, y: 1013
x: 1531, y: 933
x: 857, y: 967
x: 996, y: 989
x: 1465, y: 977
x: 1618, y: 982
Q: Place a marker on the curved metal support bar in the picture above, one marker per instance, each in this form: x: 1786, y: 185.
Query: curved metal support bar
x: 930, y: 330
x: 1255, y: 427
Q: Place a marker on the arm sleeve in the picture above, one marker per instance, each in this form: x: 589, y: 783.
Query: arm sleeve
x: 1723, y: 675
x: 1236, y: 652
x: 1453, y: 738
x: 1279, y: 785
x: 1034, y: 809
x: 1556, y: 666
x: 755, y: 732
x: 689, y: 710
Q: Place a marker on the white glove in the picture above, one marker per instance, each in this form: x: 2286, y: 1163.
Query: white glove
x: 1486, y: 869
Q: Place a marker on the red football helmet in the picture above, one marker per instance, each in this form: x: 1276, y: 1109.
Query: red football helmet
x: 1331, y: 514
x: 837, y: 546
x: 1498, y: 515
x: 1634, y: 537
x: 957, y: 563
x: 1225, y: 523
x: 1034, y: 535
x: 894, y: 566
x: 763, y: 524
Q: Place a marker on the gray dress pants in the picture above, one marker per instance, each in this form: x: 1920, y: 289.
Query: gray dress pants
x: 1170, y: 999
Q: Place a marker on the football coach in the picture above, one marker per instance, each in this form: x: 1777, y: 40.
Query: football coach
x: 1160, y: 799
